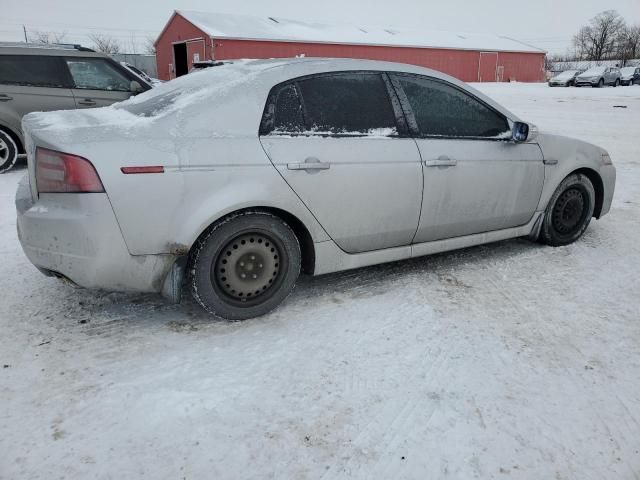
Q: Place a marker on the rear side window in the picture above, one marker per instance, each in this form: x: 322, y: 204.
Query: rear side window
x: 442, y: 110
x: 34, y: 71
x: 97, y: 74
x: 350, y: 103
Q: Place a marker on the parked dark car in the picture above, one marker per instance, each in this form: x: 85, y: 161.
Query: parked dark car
x: 630, y: 75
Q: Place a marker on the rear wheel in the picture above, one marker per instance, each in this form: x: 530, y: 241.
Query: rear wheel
x: 569, y: 211
x: 8, y: 152
x: 245, y: 266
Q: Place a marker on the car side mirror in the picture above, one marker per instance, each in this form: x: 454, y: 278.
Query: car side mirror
x: 135, y: 87
x: 523, y: 132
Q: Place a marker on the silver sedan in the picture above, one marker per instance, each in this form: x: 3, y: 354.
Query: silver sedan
x: 235, y: 179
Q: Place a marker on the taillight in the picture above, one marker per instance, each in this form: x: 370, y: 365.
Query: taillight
x: 58, y: 172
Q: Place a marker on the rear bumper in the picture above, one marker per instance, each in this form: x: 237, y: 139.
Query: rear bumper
x: 77, y: 236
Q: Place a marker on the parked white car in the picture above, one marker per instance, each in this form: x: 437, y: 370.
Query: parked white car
x: 236, y: 178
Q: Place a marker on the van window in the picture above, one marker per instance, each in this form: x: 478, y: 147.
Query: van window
x: 97, y: 74
x: 33, y: 71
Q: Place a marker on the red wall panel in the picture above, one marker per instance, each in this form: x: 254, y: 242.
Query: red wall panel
x: 177, y: 30
x: 462, y: 64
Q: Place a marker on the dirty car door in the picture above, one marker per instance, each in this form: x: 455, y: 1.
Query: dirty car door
x: 32, y: 83
x: 336, y: 140
x: 475, y: 179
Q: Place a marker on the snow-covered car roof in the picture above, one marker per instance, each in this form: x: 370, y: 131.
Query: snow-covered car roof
x: 222, y: 101
x: 245, y: 27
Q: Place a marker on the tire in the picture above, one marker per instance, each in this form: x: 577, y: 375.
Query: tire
x: 569, y: 211
x: 8, y: 152
x: 617, y: 83
x: 600, y: 83
x: 245, y: 265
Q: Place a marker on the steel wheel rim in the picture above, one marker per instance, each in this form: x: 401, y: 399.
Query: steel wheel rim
x: 4, y: 151
x: 248, y: 268
x: 569, y: 211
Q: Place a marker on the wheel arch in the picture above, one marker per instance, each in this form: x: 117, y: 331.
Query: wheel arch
x: 307, y: 248
x: 598, y: 186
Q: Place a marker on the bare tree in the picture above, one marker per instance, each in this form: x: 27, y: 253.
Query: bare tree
x: 629, y: 43
x: 47, y: 37
x: 105, y: 43
x: 599, y: 39
x: 150, y: 46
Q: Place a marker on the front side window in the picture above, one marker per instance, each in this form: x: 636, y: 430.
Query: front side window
x: 97, y: 74
x: 442, y: 110
x: 347, y: 104
x: 33, y: 71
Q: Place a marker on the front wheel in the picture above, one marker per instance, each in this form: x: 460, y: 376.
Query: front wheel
x: 8, y: 152
x: 569, y: 211
x: 245, y: 266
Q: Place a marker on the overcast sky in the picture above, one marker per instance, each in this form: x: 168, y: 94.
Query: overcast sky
x: 548, y: 24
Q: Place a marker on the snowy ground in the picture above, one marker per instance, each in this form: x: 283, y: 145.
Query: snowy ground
x: 511, y: 360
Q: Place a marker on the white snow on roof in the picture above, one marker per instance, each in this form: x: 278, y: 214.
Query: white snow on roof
x: 230, y: 26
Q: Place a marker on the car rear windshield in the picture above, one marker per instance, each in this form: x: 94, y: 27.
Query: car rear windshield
x: 33, y: 71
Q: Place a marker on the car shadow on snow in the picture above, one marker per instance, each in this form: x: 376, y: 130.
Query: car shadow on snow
x: 101, y: 312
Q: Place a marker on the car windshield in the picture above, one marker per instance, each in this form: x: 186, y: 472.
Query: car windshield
x: 627, y: 70
x: 595, y: 71
x: 567, y: 74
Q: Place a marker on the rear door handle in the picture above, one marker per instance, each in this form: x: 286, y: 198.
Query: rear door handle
x: 310, y: 165
x: 441, y: 161
x: 5, y: 98
x: 87, y: 102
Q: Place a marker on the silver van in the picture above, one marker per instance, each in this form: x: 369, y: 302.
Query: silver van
x: 40, y: 78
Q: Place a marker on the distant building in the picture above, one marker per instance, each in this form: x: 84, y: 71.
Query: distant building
x: 198, y: 36
x: 145, y: 62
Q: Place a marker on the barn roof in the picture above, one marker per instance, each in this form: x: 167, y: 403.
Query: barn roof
x: 245, y: 27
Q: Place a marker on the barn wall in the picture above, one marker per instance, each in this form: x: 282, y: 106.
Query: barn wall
x: 178, y: 30
x: 462, y: 64
x: 522, y: 67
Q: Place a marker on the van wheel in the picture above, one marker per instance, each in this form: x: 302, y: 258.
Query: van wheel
x: 8, y: 152
x: 245, y: 266
x: 569, y: 211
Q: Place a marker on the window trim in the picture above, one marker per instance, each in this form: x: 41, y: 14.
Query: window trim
x: 410, y: 115
x: 62, y: 65
x: 267, y: 127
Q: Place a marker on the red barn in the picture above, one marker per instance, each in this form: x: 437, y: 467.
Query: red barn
x: 197, y: 36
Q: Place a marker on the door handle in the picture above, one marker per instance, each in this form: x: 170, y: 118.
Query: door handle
x: 310, y: 165
x: 87, y: 101
x: 441, y: 161
x: 5, y: 98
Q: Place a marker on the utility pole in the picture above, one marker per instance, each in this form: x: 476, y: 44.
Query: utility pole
x: 24, y: 29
